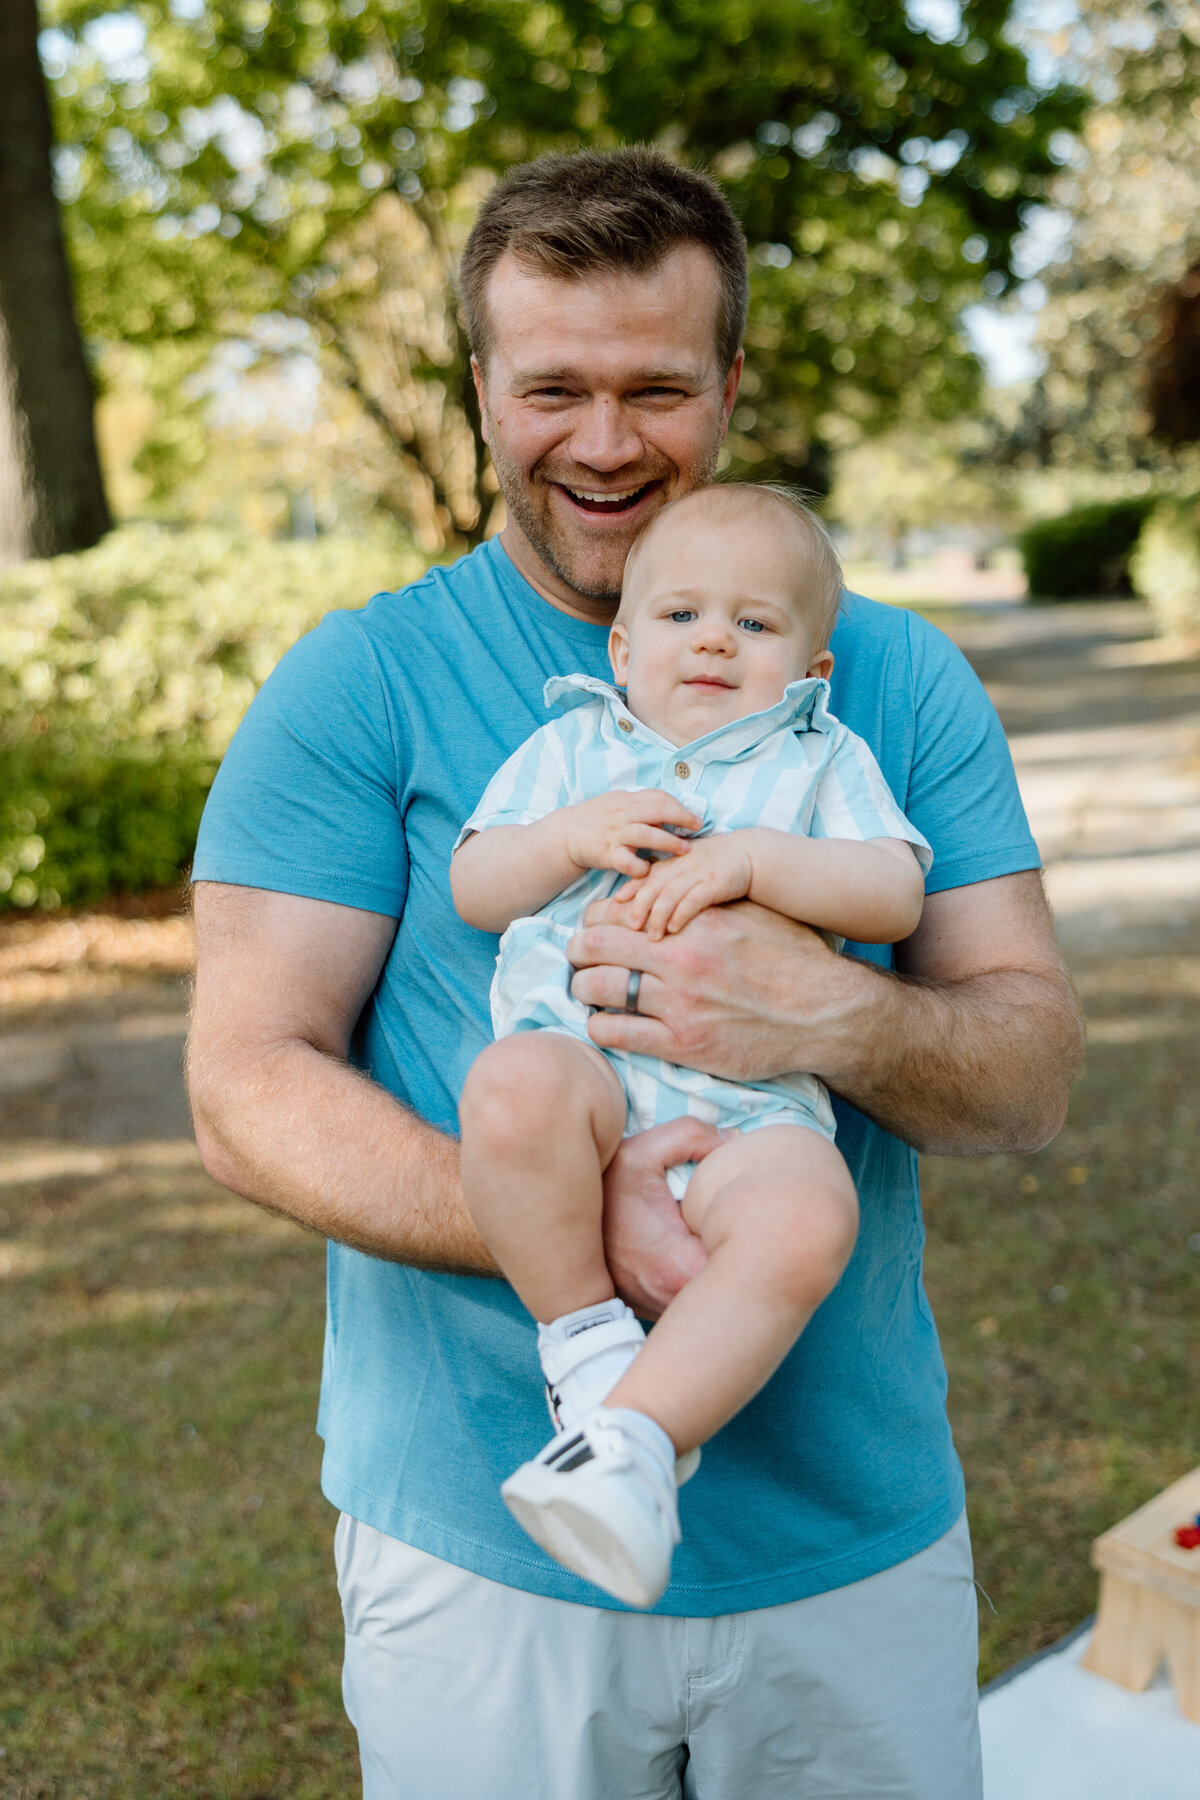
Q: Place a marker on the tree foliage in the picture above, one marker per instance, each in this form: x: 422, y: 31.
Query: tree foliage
x: 322, y: 159
x: 1121, y: 328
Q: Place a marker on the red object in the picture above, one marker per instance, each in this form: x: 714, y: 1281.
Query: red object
x: 1188, y: 1537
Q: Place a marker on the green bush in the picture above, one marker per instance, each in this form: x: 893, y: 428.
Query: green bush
x: 124, y: 671
x: 1083, y: 553
x: 1166, y: 566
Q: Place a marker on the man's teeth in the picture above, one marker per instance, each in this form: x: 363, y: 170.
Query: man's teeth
x: 604, y: 499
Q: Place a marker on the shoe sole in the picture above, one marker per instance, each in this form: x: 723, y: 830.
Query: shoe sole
x: 577, y: 1539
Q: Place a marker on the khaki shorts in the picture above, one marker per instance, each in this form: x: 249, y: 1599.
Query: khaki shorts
x: 462, y: 1689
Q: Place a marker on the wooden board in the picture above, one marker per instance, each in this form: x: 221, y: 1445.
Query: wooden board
x: 1150, y: 1597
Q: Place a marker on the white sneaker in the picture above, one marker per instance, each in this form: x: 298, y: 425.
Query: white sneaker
x: 583, y: 1356
x: 600, y: 1499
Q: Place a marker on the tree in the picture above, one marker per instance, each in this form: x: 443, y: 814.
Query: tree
x: 51, y: 495
x: 271, y: 155
x: 1121, y: 326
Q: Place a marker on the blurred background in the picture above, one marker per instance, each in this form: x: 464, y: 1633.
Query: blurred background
x: 234, y: 393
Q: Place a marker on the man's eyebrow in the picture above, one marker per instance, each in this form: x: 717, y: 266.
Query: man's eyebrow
x: 656, y: 377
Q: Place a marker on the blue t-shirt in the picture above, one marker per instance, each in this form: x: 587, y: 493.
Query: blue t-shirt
x: 348, y: 781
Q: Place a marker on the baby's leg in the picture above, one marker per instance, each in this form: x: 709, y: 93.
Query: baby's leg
x: 777, y: 1212
x: 541, y: 1118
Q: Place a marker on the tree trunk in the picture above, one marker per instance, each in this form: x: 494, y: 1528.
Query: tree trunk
x: 51, y: 493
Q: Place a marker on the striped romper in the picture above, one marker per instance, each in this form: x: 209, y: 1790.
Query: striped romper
x: 792, y: 767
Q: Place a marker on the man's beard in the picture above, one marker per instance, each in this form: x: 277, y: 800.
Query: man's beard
x: 548, y: 542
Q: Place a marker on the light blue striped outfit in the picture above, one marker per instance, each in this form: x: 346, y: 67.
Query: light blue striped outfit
x: 792, y: 767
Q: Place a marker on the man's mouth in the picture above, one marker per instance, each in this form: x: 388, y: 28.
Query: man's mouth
x: 611, y: 502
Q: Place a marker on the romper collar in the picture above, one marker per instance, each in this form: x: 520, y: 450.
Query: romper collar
x: 802, y: 707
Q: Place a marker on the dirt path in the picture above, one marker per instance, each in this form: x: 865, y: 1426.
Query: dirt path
x: 1106, y: 737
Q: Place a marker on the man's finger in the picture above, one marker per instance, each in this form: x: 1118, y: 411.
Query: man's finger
x: 632, y: 1032
x: 615, y: 945
x: 607, y: 987
x: 682, y: 1140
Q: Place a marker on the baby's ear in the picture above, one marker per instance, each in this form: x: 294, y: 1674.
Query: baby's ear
x: 822, y: 665
x: 618, y: 652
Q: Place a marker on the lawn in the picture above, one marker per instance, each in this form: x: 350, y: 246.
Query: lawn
x: 167, y: 1618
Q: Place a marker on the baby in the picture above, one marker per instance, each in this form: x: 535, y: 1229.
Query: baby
x: 717, y: 775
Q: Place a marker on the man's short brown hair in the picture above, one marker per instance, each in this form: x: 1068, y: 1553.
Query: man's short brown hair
x: 569, y: 216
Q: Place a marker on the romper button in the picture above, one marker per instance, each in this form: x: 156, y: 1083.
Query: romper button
x: 624, y: 725
x: 682, y: 770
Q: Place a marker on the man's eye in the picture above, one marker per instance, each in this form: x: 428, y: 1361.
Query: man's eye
x: 752, y: 625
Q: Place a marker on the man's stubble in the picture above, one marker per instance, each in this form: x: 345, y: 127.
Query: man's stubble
x: 550, y: 543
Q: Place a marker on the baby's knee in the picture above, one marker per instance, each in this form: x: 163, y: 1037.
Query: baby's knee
x: 513, y: 1081
x: 813, y: 1237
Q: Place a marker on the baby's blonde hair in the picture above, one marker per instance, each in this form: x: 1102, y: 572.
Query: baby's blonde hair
x: 820, y: 587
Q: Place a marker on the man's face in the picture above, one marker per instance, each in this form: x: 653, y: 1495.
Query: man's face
x: 602, y: 399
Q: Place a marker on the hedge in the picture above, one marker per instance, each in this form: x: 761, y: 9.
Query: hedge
x: 1084, y: 553
x: 124, y: 671
x: 1166, y: 566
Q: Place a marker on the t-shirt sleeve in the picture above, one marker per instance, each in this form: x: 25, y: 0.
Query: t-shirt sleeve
x: 307, y: 799
x: 962, y: 790
x: 854, y: 801
x: 531, y: 784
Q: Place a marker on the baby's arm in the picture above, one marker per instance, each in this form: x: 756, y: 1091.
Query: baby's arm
x: 870, y: 891
x: 508, y: 871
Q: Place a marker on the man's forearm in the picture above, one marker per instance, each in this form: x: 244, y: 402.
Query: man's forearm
x: 954, y: 1067
x: 303, y: 1133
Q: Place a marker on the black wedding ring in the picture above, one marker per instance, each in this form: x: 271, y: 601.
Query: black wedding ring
x: 632, y: 989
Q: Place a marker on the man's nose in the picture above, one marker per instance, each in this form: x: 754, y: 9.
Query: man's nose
x: 605, y: 437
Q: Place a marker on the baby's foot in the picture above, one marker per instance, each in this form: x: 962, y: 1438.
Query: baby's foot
x: 600, y: 1499
x: 583, y: 1356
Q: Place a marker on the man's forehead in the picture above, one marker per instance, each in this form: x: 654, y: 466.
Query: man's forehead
x: 659, y: 324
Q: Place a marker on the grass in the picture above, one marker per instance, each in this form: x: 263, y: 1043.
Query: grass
x: 1067, y: 1290
x: 167, y: 1617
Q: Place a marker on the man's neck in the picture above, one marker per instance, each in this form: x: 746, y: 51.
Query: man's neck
x: 544, y: 581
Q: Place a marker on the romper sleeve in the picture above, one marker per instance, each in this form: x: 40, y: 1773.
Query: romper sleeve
x: 854, y: 801
x: 531, y: 784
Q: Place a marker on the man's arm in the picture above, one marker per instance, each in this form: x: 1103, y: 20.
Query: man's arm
x: 282, y: 1118
x: 971, y: 1046
x: 280, y: 1115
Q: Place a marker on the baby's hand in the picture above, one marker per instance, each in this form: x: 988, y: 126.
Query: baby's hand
x: 718, y: 868
x: 608, y: 831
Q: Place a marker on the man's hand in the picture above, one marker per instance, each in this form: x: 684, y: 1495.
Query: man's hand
x: 716, y: 869
x: 971, y: 1046
x: 607, y: 831
x: 650, y: 1252
x: 710, y: 994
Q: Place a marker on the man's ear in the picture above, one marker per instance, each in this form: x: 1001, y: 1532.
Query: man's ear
x: 822, y: 665
x: 481, y: 396
x: 618, y: 652
x: 731, y: 387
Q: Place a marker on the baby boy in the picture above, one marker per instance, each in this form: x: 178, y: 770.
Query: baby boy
x: 711, y: 772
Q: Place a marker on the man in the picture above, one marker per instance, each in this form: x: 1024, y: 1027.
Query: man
x: 818, y: 1637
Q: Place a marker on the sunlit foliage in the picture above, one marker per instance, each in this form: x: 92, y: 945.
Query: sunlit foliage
x: 321, y: 159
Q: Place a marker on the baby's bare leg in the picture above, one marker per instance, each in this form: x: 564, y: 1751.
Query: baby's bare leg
x: 777, y: 1212
x: 541, y: 1118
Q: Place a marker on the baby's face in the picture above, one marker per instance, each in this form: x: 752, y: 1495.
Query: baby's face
x: 713, y: 627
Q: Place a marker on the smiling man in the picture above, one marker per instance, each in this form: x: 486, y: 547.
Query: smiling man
x: 818, y: 1636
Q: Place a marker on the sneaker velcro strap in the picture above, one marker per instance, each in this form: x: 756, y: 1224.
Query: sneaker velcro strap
x: 562, y: 1359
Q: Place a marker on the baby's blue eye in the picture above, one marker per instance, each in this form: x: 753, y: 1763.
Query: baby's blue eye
x: 682, y: 617
x: 752, y: 625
